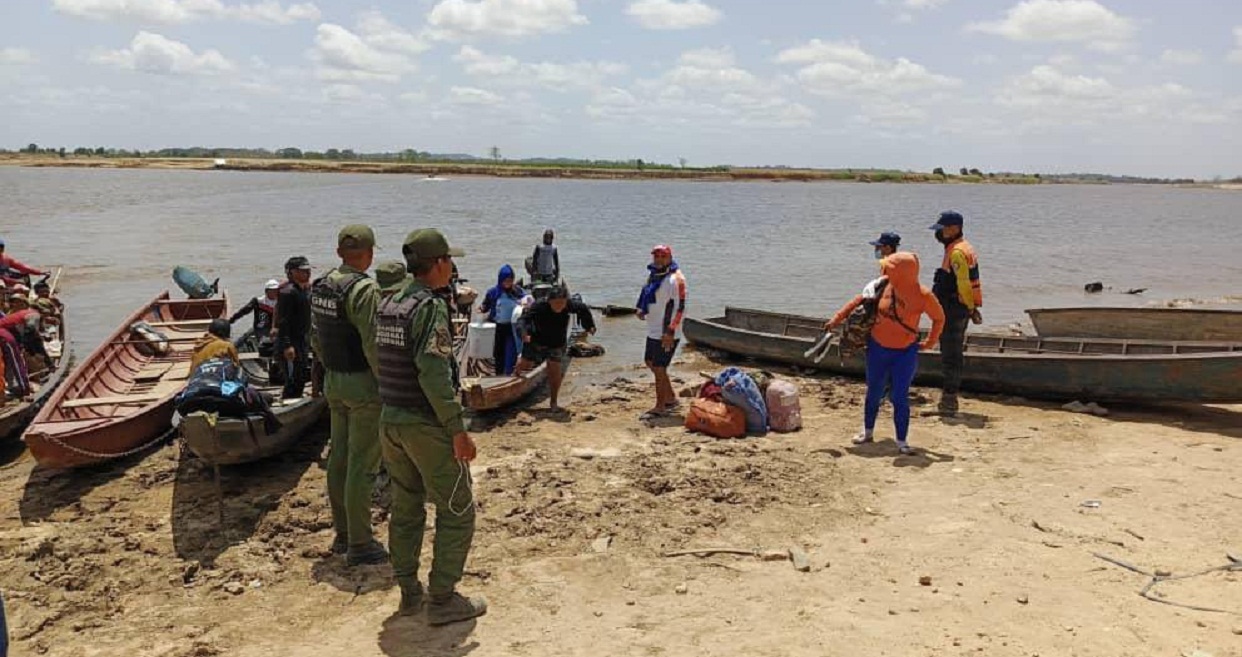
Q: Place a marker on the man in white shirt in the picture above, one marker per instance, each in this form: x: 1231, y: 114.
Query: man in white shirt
x: 662, y: 304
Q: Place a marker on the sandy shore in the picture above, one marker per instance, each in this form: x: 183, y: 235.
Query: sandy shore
x: 990, y: 516
x: 504, y: 170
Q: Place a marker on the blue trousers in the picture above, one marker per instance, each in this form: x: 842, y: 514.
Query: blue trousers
x: 894, y: 368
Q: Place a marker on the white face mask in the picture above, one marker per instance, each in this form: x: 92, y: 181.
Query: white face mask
x: 879, y: 254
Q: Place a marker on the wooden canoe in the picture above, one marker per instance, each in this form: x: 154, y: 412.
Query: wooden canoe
x: 17, y: 413
x: 1028, y: 366
x: 1139, y: 323
x: 119, y: 400
x: 492, y: 392
x: 222, y: 440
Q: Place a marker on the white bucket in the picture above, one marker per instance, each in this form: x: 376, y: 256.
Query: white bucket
x: 479, y: 340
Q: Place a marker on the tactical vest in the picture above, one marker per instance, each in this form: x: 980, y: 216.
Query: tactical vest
x: 944, y: 285
x: 545, y: 259
x: 398, y: 349
x: 339, y: 341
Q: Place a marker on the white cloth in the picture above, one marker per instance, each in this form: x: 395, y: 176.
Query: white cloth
x: 665, y: 308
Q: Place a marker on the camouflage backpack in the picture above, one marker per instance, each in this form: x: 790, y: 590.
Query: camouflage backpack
x: 857, y: 327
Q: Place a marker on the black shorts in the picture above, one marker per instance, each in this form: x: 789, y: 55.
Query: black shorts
x: 656, y: 356
x: 538, y: 354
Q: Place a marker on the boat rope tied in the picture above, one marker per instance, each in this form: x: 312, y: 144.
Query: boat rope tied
x: 97, y: 455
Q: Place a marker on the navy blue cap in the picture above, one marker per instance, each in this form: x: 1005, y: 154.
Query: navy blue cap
x: 948, y: 218
x: 887, y: 239
x: 1, y: 241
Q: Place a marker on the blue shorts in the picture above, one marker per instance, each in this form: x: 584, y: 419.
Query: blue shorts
x: 656, y: 356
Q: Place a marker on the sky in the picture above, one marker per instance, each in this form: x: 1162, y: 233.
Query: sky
x: 1139, y: 87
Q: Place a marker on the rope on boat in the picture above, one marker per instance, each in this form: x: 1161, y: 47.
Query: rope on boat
x: 98, y: 455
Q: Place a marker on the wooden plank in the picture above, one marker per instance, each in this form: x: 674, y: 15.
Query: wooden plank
x: 184, y: 322
x: 103, y: 401
x: 152, y: 372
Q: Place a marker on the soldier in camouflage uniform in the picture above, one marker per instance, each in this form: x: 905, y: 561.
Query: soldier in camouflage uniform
x: 425, y: 445
x: 343, y: 306
x: 392, y: 277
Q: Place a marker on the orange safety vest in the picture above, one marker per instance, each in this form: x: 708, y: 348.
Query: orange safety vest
x: 972, y: 259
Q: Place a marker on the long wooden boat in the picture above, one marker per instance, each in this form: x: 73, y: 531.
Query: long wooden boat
x: 1139, y: 323
x: 120, y: 399
x: 1029, y: 366
x: 222, y: 440
x: 492, y: 392
x: 17, y: 413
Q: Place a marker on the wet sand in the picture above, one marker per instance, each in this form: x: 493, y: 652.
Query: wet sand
x: 979, y: 544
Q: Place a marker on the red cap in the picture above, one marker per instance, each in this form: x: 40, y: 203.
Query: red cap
x: 661, y: 250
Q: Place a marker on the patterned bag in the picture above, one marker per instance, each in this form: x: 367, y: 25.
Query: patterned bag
x: 857, y: 327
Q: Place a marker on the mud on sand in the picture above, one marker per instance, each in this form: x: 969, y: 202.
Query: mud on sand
x: 979, y: 544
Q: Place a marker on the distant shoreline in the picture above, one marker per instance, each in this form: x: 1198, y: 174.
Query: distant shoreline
x: 510, y: 170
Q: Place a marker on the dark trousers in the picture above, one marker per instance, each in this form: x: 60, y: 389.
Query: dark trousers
x: 297, y: 372
x: 953, y: 347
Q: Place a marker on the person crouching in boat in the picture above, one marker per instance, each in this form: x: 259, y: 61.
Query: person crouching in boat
x: 499, y: 304
x: 893, y: 345
x: 214, y: 344
x: 544, y: 327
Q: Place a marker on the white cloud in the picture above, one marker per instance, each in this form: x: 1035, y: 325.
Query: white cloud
x: 379, y: 52
x: 464, y: 19
x: 705, y: 88
x: 1049, y: 97
x: 16, y: 56
x: 1085, y: 21
x: 923, y: 4
x: 844, y: 69
x: 1235, y: 56
x: 154, y: 53
x: 1181, y: 57
x: 673, y: 15
x: 474, y: 96
x: 350, y: 94
x: 185, y: 11
x: 509, y: 70
x: 891, y: 114
x: 383, y: 34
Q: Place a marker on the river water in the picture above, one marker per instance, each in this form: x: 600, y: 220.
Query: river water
x: 789, y: 247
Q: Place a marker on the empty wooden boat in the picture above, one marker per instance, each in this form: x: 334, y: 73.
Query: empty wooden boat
x: 120, y: 399
x: 1029, y: 366
x: 221, y: 440
x: 1179, y: 324
x: 492, y: 392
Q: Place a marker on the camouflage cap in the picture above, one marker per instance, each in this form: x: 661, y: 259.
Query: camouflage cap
x: 356, y: 236
x: 428, y: 244
x: 390, y: 275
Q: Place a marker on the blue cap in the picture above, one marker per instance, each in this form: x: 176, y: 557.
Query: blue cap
x: 948, y: 218
x: 887, y: 239
x: 1, y: 241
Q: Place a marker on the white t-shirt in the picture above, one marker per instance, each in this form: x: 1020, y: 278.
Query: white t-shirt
x: 669, y: 308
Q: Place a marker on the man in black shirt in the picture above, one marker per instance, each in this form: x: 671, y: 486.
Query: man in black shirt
x: 264, y: 310
x: 544, y: 327
x: 293, y: 324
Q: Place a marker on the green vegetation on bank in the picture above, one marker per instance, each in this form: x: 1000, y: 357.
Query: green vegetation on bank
x: 421, y: 162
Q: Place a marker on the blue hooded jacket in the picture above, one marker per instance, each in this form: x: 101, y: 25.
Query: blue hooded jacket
x: 489, y: 300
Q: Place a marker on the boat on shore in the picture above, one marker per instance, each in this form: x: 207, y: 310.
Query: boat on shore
x: 221, y: 440
x: 15, y: 414
x: 488, y: 393
x: 119, y: 401
x: 1180, y: 324
x: 1142, y: 371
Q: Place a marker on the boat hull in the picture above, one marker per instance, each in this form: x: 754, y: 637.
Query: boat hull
x: 493, y: 392
x: 120, y: 400
x: 1062, y: 369
x: 1139, y: 323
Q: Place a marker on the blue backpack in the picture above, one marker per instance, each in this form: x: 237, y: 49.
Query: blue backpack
x: 738, y: 389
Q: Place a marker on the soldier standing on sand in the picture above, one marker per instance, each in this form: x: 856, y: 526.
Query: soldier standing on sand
x: 425, y: 445
x: 343, y: 306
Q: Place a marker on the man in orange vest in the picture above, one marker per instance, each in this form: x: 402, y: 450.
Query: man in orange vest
x: 959, y: 291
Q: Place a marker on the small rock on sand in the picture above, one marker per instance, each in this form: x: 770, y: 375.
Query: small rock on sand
x: 234, y: 588
x: 681, y: 589
x: 601, y: 544
x: 588, y: 453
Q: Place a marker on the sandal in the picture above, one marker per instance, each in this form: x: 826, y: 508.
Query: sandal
x: 862, y: 439
x: 904, y: 449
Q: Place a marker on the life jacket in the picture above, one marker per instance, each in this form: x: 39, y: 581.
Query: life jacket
x: 545, y: 259
x: 339, y: 341
x: 398, y: 349
x: 944, y: 285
